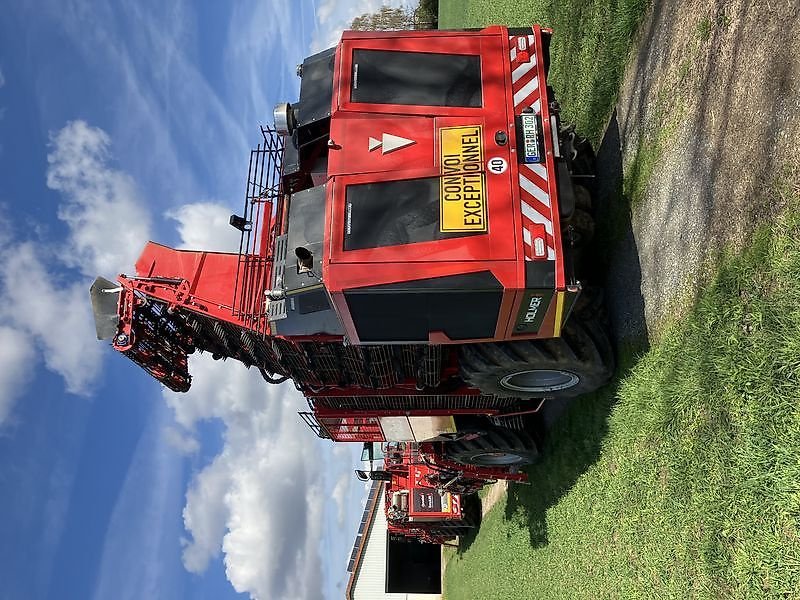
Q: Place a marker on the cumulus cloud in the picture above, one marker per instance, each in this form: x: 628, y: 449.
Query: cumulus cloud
x: 340, y: 493
x: 107, y: 220
x: 181, y: 441
x: 205, y: 226
x: 205, y: 515
x: 42, y: 309
x: 260, y: 502
x: 16, y: 358
x: 55, y: 316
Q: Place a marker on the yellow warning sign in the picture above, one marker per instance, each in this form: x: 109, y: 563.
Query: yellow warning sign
x: 462, y: 197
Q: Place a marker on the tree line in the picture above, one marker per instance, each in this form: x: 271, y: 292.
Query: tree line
x: 424, y: 16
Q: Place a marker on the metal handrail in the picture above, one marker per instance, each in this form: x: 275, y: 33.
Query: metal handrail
x: 263, y: 192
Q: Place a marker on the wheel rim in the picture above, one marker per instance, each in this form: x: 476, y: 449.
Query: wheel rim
x: 497, y: 458
x: 540, y: 380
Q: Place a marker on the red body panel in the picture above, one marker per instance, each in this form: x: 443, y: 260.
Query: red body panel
x: 516, y: 217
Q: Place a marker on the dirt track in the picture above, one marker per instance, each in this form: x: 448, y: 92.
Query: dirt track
x: 715, y: 86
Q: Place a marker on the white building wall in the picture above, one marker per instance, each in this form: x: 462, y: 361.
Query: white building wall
x: 371, y: 581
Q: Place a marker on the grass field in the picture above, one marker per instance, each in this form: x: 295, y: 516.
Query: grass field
x: 683, y: 479
x: 591, y: 44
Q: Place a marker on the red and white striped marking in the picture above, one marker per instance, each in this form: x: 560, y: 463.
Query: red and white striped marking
x: 533, y: 181
x: 455, y: 501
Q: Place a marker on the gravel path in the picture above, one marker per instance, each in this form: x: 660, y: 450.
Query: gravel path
x: 495, y: 493
x: 716, y: 85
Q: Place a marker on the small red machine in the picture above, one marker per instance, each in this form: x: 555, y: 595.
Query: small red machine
x: 422, y: 501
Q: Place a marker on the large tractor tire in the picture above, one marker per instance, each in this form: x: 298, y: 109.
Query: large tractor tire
x: 582, y: 225
x: 578, y: 362
x: 583, y: 198
x: 583, y: 159
x: 497, y: 447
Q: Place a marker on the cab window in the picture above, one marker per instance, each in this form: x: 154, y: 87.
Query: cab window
x: 416, y: 78
x: 393, y: 213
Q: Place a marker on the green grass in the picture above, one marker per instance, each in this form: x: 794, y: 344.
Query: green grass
x: 591, y: 44
x: 683, y: 478
x: 704, y: 29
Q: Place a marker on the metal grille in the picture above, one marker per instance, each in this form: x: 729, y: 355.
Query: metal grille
x: 295, y: 361
x: 423, y: 363
x: 344, y: 429
x: 376, y: 367
x: 276, y: 309
x: 422, y: 402
x: 312, y: 365
x: 225, y: 340
x: 512, y: 422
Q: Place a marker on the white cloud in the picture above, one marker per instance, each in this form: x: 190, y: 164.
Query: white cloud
x: 185, y: 443
x: 206, y: 515
x: 16, y: 366
x: 325, y: 10
x: 107, y: 220
x: 205, y: 226
x: 260, y: 502
x: 167, y: 116
x: 56, y: 317
x: 2, y: 78
x: 39, y: 306
x: 340, y: 494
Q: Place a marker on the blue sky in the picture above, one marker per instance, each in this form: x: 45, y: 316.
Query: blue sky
x: 123, y: 121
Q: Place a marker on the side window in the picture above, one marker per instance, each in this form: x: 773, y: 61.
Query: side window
x: 393, y: 213
x: 416, y: 78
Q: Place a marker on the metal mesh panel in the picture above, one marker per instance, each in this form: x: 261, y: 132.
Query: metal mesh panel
x: 377, y: 367
x: 312, y: 365
x: 293, y: 357
x: 424, y: 363
x: 422, y: 402
x: 347, y: 429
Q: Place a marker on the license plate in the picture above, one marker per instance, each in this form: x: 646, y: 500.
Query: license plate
x: 530, y: 139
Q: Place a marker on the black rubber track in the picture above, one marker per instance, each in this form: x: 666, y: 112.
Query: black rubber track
x: 495, y: 440
x: 584, y: 350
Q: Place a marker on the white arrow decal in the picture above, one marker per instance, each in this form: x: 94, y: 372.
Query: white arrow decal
x: 394, y: 142
x: 389, y: 143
